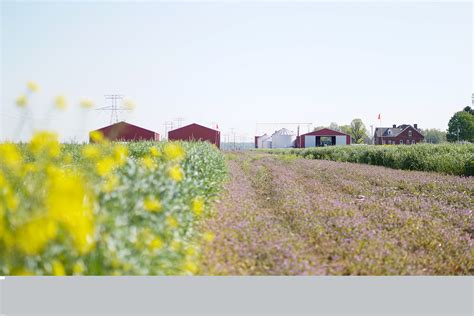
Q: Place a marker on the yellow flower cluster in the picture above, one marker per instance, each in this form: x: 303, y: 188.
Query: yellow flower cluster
x: 173, y: 152
x: 42, y: 203
x: 100, y: 208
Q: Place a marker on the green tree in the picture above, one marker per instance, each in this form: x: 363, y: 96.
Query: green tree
x: 461, y: 126
x: 434, y: 135
x: 358, y: 131
x: 469, y: 110
x: 346, y: 129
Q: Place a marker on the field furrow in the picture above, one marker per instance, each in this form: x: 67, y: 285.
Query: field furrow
x: 290, y: 216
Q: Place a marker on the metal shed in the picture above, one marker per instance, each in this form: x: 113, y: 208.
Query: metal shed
x: 123, y: 131
x: 323, y: 137
x: 196, y: 132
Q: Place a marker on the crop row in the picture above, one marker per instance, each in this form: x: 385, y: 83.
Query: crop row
x: 106, y: 208
x: 455, y: 159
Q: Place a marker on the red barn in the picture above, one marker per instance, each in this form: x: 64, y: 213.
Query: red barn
x: 322, y: 137
x: 123, y: 131
x: 196, y: 132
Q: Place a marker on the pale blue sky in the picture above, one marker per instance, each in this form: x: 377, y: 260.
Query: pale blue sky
x: 238, y: 63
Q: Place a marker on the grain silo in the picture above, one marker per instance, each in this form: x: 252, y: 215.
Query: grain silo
x: 283, y: 138
x: 259, y: 140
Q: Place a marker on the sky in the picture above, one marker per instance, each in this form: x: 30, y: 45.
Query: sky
x: 237, y: 64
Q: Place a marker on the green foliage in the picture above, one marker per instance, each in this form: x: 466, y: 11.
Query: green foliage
x: 461, y: 127
x: 434, y: 136
x: 358, y: 131
x: 456, y: 159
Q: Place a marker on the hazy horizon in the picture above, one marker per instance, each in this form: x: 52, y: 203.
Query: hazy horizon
x: 237, y: 64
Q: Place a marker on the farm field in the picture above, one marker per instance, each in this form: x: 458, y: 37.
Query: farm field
x: 283, y: 215
x: 179, y: 208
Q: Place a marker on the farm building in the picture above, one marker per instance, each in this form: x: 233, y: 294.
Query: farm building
x: 323, y: 137
x: 283, y: 138
x: 263, y: 141
x: 123, y: 131
x: 196, y: 132
x: 402, y: 134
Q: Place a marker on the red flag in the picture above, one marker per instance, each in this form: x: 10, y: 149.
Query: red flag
x: 379, y: 118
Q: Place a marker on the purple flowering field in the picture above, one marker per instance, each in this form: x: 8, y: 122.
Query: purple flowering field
x: 282, y: 215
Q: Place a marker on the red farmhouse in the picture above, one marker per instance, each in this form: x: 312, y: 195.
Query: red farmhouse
x: 196, y: 132
x: 322, y: 137
x: 123, y: 131
x: 403, y: 134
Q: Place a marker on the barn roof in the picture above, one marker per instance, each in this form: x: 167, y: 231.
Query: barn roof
x: 194, y: 124
x: 325, y: 132
x: 123, y: 123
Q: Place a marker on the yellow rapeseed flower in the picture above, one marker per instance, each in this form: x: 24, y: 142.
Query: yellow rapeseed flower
x: 148, y: 163
x: 78, y: 268
x: 105, y: 166
x: 58, y: 268
x: 97, y: 137
x: 91, y: 152
x: 190, y: 267
x: 191, y: 251
x: 45, y: 143
x: 209, y: 236
x: 11, y: 200
x: 197, y: 206
x: 67, y: 158
x: 155, y: 152
x: 10, y: 155
x: 129, y: 104
x: 70, y: 203
x: 110, y: 184
x: 60, y: 102
x: 175, y: 245
x: 120, y: 154
x: 22, y: 101
x: 86, y: 104
x: 22, y: 272
x: 176, y: 173
x: 152, y: 204
x: 32, y: 86
x: 173, y: 151
x: 33, y: 236
x: 171, y: 221
x: 155, y: 244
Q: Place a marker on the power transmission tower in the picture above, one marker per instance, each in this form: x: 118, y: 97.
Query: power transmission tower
x: 113, y: 108
x: 168, y: 127
x: 179, y: 121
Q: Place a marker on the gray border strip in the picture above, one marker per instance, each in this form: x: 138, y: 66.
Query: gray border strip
x: 238, y: 295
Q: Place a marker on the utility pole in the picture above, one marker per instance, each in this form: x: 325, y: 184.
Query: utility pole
x: 168, y: 127
x: 372, y: 133
x: 232, y: 131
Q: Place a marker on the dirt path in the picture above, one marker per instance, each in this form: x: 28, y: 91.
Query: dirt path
x: 287, y: 216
